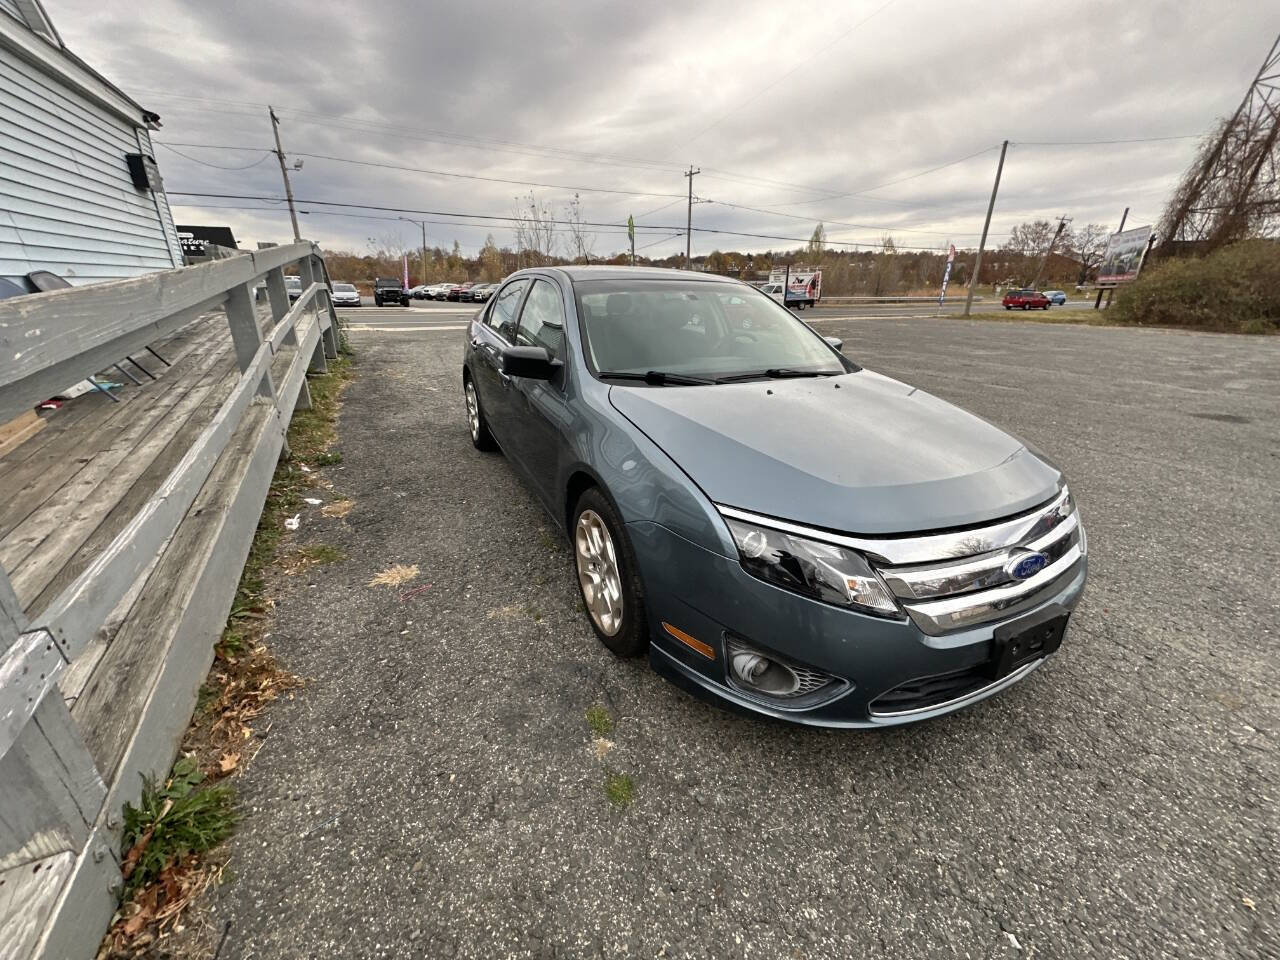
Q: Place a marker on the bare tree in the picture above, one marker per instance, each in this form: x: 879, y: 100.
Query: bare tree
x: 1087, y: 245
x: 535, y: 230
x: 817, y: 244
x: 1031, y: 238
x: 581, y: 238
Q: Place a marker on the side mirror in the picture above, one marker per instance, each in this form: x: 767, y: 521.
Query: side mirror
x: 835, y: 342
x: 532, y: 363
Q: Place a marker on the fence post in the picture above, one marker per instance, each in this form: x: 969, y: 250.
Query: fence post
x: 313, y: 270
x: 12, y: 619
x: 246, y: 334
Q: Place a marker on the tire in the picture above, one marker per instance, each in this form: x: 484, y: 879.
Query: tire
x: 481, y: 438
x: 626, y: 631
x: 377, y: 301
x: 1008, y: 308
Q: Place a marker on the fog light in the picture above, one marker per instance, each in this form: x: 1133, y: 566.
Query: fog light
x: 767, y: 676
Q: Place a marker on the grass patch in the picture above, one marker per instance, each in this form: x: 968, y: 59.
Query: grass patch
x: 599, y: 720
x: 173, y: 821
x: 620, y: 789
x: 1087, y: 315
x: 171, y: 836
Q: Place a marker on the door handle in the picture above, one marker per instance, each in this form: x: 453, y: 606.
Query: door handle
x: 505, y: 378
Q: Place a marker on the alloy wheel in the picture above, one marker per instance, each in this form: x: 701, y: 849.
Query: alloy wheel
x: 598, y: 575
x: 473, y: 410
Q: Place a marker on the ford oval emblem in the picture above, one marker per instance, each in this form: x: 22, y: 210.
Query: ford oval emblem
x: 1026, y: 565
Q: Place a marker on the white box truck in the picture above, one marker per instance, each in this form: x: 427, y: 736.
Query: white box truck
x: 795, y: 288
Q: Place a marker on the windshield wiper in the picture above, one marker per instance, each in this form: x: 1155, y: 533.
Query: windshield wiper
x: 657, y: 378
x: 778, y: 373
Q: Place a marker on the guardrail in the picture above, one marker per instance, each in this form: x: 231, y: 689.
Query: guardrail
x: 59, y: 814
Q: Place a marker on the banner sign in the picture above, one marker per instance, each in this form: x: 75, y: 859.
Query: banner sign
x: 1123, y: 257
x: 405, y: 279
x: 946, y: 274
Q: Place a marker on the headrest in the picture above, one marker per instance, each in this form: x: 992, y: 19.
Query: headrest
x: 619, y: 304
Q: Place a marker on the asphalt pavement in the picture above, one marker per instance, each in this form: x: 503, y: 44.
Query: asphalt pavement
x: 436, y: 791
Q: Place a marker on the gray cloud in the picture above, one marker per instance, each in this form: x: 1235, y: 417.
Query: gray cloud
x: 522, y: 91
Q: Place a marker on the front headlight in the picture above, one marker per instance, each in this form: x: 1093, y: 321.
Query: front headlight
x: 819, y: 570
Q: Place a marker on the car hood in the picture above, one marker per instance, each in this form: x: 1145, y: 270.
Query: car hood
x: 859, y: 453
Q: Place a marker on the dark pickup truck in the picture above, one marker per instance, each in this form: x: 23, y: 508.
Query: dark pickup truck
x: 389, y: 290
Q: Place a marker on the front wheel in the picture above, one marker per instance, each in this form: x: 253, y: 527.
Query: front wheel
x: 481, y: 438
x: 1008, y: 308
x: 608, y: 576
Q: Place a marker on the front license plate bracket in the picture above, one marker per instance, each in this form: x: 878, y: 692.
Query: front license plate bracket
x: 1018, y: 643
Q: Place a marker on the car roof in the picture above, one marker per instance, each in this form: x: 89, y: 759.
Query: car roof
x: 580, y: 273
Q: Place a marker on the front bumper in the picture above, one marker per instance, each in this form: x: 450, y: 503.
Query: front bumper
x: 711, y: 598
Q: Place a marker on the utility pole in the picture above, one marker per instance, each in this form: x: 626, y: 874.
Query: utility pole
x: 982, y: 244
x: 284, y: 172
x: 1097, y: 303
x: 688, y: 234
x: 1062, y: 225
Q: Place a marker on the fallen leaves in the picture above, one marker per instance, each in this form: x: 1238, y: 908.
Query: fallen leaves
x: 394, y: 575
x: 339, y: 508
x: 228, y: 762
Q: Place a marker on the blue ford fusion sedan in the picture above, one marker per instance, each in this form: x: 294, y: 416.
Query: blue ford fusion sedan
x: 775, y: 526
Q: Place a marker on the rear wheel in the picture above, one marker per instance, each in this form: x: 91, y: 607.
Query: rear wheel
x: 608, y: 576
x: 481, y: 438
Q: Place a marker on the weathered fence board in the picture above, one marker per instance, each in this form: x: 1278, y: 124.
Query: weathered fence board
x: 127, y: 556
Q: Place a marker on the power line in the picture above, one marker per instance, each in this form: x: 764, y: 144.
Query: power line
x: 890, y: 183
x: 216, y: 166
x: 471, y: 176
x: 1098, y: 143
x: 494, y: 217
x: 838, y: 223
x: 447, y: 173
x: 435, y: 136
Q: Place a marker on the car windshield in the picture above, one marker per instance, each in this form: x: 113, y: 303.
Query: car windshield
x: 293, y: 282
x: 344, y: 288
x: 710, y: 331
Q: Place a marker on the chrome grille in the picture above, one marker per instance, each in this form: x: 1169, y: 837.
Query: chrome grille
x: 971, y: 580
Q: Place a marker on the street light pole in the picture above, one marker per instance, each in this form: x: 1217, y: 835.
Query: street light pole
x: 423, y: 225
x: 977, y: 265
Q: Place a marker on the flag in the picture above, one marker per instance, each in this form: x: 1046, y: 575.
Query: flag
x: 631, y: 228
x: 946, y: 276
x: 405, y: 285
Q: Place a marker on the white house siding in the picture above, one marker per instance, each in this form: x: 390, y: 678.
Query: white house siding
x: 67, y: 202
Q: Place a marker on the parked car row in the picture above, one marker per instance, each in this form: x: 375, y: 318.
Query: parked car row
x: 457, y: 292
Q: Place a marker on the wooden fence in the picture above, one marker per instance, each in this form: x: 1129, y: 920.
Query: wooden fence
x: 60, y: 800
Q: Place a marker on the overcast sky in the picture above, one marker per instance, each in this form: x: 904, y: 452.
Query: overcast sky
x: 790, y: 108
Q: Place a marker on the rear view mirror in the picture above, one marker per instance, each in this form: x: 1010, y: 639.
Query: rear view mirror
x: 835, y: 342
x: 533, y: 363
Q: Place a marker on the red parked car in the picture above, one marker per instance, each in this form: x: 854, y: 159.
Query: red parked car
x: 1026, y: 300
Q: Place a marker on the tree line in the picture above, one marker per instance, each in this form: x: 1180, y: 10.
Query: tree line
x: 544, y: 236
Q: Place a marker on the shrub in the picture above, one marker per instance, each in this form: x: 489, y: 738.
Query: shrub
x: 1235, y: 289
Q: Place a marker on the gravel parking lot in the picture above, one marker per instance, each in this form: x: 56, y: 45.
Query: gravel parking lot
x: 436, y: 792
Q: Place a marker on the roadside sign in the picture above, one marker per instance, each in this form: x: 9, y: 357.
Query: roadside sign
x: 1123, y: 257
